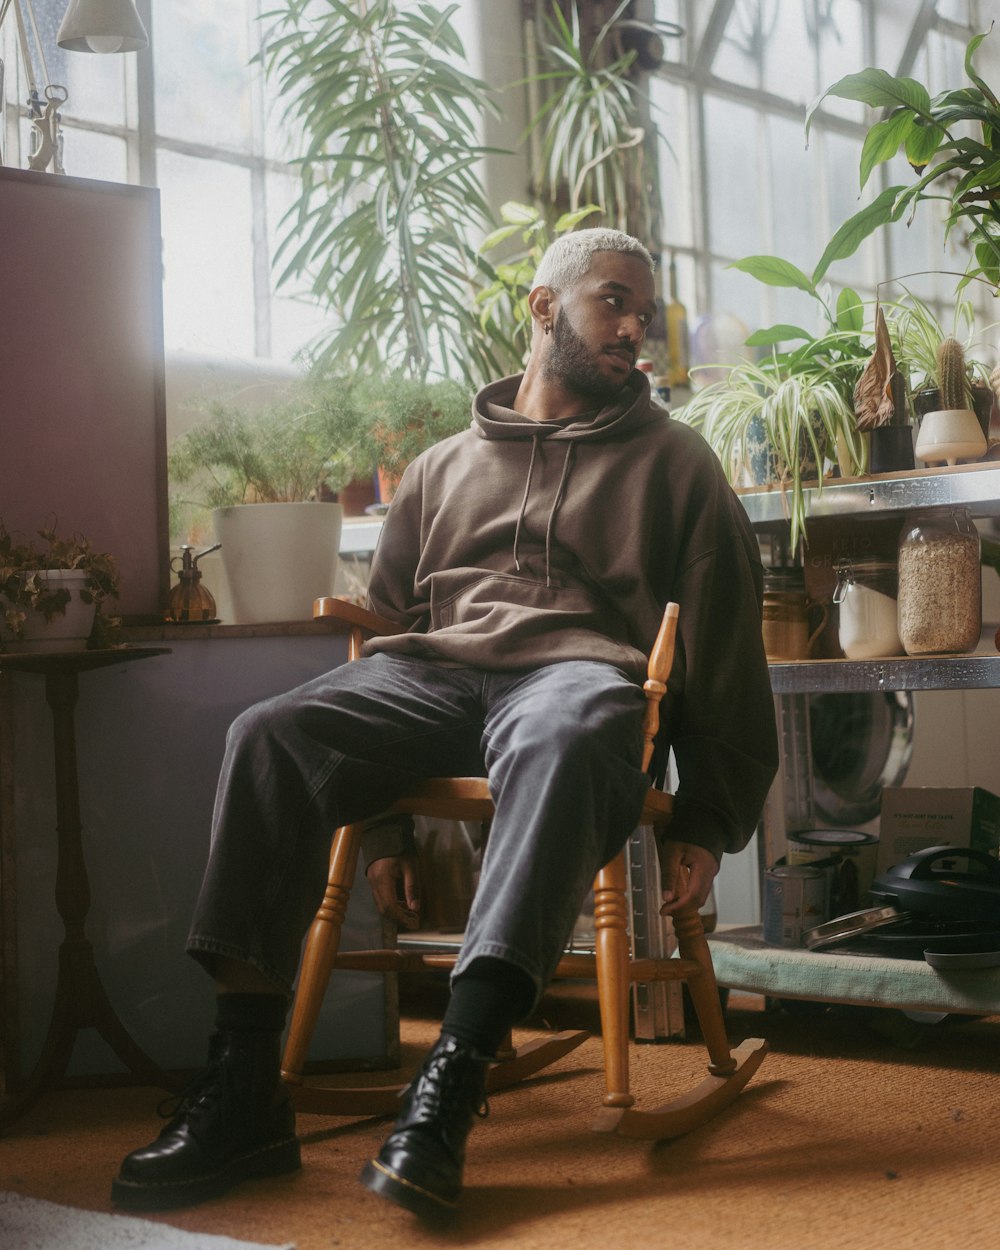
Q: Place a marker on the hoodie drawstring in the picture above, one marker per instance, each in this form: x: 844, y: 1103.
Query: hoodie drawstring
x: 570, y: 448
x: 524, y: 500
x: 560, y: 491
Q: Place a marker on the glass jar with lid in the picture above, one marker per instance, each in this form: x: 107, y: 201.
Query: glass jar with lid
x: 940, y: 583
x: 866, y: 600
x: 792, y: 621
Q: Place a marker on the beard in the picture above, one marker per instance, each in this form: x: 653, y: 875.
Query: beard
x: 570, y: 363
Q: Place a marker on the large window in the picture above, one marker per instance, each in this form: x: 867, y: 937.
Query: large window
x: 736, y: 176
x: 195, y: 117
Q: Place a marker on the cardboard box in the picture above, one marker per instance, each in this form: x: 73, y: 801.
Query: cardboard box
x: 914, y: 817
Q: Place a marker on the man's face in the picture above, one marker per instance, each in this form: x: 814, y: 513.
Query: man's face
x: 599, y: 325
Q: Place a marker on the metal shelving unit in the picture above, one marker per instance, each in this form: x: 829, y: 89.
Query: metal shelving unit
x: 953, y: 672
x: 742, y: 960
x: 972, y: 486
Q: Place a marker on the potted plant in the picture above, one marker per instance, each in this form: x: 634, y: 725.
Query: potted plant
x: 950, y: 164
x: 401, y: 416
x: 389, y: 160
x: 790, y: 415
x: 777, y: 421
x: 52, y: 594
x: 916, y: 335
x: 269, y: 478
x: 951, y: 431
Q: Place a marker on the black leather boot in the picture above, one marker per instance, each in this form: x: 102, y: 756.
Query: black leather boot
x: 420, y: 1165
x: 234, y: 1121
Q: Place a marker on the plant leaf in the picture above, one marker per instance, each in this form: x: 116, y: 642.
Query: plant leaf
x: 878, y: 89
x: 774, y: 271
x: 850, y: 311
x: 883, y: 140
x: 922, y: 142
x: 776, y: 334
x: 856, y: 229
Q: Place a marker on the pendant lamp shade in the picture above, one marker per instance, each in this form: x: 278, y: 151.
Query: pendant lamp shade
x: 102, y: 26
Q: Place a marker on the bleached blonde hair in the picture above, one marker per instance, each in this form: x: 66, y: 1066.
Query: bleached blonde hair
x: 567, y: 259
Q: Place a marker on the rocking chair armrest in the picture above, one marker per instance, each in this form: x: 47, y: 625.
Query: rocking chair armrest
x: 343, y: 616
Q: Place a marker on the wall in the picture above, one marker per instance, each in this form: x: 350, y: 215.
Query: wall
x: 150, y: 740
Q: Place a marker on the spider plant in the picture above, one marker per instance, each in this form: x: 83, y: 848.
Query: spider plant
x: 916, y: 333
x: 796, y: 410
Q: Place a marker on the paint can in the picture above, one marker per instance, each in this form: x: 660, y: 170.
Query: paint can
x: 795, y: 899
x: 854, y: 854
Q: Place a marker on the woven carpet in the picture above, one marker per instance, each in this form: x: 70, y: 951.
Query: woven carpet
x: 862, y: 1128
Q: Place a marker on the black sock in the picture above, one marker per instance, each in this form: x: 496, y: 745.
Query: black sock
x: 250, y: 1013
x: 487, y: 1000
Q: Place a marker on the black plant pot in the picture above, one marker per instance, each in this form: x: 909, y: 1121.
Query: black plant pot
x: 891, y: 448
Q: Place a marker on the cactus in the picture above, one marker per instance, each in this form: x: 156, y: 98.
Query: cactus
x: 951, y: 374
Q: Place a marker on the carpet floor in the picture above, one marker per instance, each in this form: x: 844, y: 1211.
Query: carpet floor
x: 862, y: 1128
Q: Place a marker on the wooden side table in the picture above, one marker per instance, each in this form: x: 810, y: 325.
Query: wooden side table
x: 80, y: 999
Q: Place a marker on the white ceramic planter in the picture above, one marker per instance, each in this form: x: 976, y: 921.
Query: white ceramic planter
x: 68, y: 631
x: 949, y: 435
x: 278, y: 557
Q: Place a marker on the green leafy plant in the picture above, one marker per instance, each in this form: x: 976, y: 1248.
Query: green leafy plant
x: 306, y: 444
x: 789, y: 409
x: 797, y: 403
x: 840, y: 348
x: 390, y: 186
x: 24, y: 589
x: 951, y: 166
x: 404, y: 416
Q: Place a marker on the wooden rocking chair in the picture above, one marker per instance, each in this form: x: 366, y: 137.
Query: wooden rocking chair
x: 467, y: 798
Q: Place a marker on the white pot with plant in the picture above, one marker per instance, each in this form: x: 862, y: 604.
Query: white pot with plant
x: 51, y: 593
x: 268, y: 479
x: 952, y: 432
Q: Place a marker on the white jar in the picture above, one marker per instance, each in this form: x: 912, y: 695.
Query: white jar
x: 866, y: 597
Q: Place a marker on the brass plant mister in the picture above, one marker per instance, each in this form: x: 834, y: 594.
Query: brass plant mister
x: 190, y: 601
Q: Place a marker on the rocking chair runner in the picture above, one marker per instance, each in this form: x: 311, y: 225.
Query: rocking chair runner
x: 467, y: 798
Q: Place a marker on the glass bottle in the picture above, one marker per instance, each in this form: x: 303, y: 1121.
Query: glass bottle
x: 677, y: 333
x: 940, y: 583
x: 866, y: 598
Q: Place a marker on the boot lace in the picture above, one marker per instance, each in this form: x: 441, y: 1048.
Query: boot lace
x: 209, y: 1088
x: 440, y: 1093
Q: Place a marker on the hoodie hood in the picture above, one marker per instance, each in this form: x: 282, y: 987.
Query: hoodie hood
x: 494, y: 418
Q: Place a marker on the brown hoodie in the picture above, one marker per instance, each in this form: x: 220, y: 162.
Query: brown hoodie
x: 519, y: 543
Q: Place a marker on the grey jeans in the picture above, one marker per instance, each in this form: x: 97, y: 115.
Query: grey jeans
x: 561, y: 746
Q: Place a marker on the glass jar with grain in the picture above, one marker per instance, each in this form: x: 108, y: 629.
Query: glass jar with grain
x: 940, y: 583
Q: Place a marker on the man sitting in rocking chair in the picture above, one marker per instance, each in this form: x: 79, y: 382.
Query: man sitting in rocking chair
x: 529, y: 559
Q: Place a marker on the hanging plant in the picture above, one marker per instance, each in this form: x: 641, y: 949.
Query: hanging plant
x: 591, y: 130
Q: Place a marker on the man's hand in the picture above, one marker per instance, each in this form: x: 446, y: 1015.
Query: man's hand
x: 395, y: 886
x: 686, y: 874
